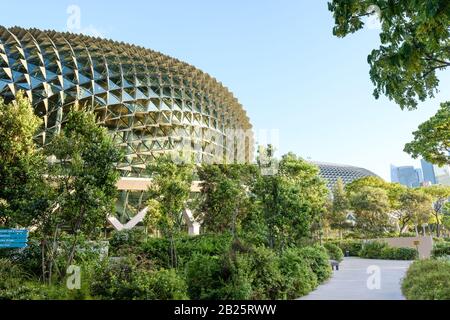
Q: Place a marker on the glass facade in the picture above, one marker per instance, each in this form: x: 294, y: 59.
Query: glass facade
x: 151, y: 103
x: 332, y: 172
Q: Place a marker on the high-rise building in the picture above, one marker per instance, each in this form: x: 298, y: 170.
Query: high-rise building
x: 428, y: 172
x: 435, y: 174
x: 406, y: 175
x: 442, y: 175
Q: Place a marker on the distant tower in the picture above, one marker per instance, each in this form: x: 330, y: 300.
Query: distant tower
x: 407, y: 176
x: 428, y: 172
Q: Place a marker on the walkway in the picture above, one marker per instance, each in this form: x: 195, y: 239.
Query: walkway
x: 351, y: 281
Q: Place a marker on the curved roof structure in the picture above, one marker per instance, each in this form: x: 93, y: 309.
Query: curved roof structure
x: 332, y: 172
x: 150, y: 102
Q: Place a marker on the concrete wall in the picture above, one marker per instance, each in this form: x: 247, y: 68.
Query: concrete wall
x: 424, y: 244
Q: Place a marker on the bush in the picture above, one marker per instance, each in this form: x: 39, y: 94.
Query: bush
x: 268, y: 280
x: 203, y: 277
x: 125, y: 241
x: 372, y: 250
x: 159, y: 285
x: 441, y: 249
x: 334, y: 252
x: 353, y: 247
x: 318, y: 260
x: 157, y: 249
x: 427, y: 280
x: 298, y: 277
x: 380, y: 250
x: 122, y: 280
x: 389, y: 253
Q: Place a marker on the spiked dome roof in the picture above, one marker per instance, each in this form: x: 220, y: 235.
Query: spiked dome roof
x: 142, y: 59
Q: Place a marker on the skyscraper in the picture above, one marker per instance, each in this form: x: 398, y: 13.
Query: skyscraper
x: 428, y: 172
x: 407, y: 176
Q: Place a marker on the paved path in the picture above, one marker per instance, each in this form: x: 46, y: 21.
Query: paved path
x: 350, y: 282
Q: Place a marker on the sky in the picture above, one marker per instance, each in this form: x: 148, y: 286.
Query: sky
x: 300, y: 85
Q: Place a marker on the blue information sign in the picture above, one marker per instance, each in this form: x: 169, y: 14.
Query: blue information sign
x: 11, y: 238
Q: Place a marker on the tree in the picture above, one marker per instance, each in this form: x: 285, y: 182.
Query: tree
x: 393, y: 190
x: 23, y: 195
x: 415, y: 209
x: 446, y: 216
x: 371, y: 207
x: 337, y: 215
x: 83, y: 177
x: 224, y: 199
x: 169, y: 193
x: 291, y: 198
x: 432, y: 140
x: 415, y: 42
x: 440, y: 196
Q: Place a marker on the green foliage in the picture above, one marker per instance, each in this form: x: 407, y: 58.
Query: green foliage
x: 298, y: 276
x: 224, y: 200
x: 318, y: 260
x: 427, y: 280
x: 390, y: 253
x: 416, y: 208
x: 432, y: 139
x: 440, y: 196
x: 169, y: 193
x: 372, y: 250
x: 371, y: 206
x: 83, y: 175
x: 441, y: 249
x: 340, y: 205
x: 352, y: 246
x: 124, y: 280
x: 23, y: 193
x: 334, y: 251
x: 157, y: 249
x: 159, y: 285
x: 414, y: 46
x: 203, y: 277
x: 267, y: 272
x: 291, y: 200
x: 125, y: 241
x: 380, y: 250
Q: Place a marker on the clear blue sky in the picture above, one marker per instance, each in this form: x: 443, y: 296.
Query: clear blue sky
x: 280, y: 60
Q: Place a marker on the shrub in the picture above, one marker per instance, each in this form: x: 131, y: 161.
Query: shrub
x: 203, y: 277
x: 441, y: 249
x: 157, y: 249
x: 268, y: 280
x: 122, y: 280
x: 380, y: 250
x: 372, y: 250
x: 352, y: 247
x: 298, y: 277
x: 125, y: 240
x: 390, y: 253
x: 334, y: 252
x: 427, y: 280
x: 159, y: 285
x: 318, y: 260
x: 236, y: 277
x: 28, y: 258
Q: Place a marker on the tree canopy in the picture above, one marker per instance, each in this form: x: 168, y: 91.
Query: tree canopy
x: 22, y: 165
x: 415, y: 42
x: 432, y: 139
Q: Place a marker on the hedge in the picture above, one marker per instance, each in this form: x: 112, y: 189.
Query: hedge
x: 352, y: 247
x: 380, y: 250
x: 441, y: 249
x: 427, y: 280
x: 334, y: 252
